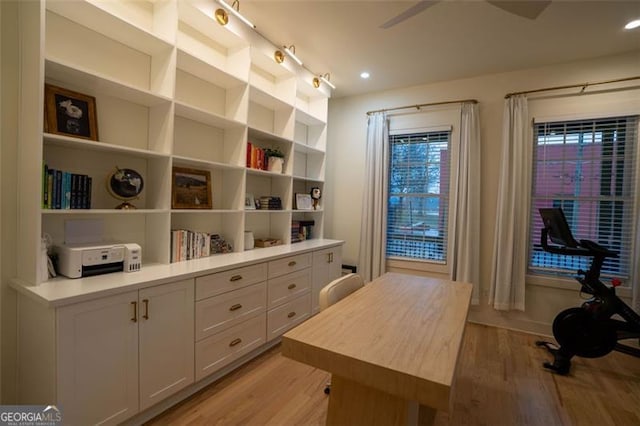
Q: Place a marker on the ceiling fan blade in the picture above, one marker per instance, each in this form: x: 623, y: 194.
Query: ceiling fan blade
x: 413, y: 10
x: 527, y: 9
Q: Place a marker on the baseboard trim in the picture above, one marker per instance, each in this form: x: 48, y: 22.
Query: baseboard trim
x: 514, y: 324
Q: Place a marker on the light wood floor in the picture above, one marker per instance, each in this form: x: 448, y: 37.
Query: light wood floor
x: 500, y: 381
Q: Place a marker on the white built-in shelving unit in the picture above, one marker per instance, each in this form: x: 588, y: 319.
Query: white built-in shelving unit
x: 172, y: 88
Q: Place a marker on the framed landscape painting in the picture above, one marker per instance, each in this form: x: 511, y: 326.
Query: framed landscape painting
x: 190, y: 189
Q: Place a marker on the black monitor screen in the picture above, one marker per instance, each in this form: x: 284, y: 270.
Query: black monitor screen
x: 557, y: 226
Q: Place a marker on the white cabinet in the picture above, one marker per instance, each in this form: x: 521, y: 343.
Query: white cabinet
x: 165, y: 318
x: 121, y: 354
x: 289, y: 297
x: 106, y: 353
x: 327, y: 266
x: 98, y: 360
x: 230, y: 316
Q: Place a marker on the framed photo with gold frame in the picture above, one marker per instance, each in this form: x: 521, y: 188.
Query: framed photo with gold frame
x: 70, y: 113
x: 190, y: 188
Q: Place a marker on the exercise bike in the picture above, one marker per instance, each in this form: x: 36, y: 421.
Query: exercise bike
x: 587, y: 331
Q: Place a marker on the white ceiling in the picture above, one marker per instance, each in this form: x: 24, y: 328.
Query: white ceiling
x: 451, y: 39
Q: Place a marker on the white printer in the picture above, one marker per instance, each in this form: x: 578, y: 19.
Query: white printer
x: 85, y: 260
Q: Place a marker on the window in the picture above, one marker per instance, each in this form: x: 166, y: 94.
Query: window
x: 588, y: 168
x: 418, y: 196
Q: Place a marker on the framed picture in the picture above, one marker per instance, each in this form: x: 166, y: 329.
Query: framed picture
x: 70, y: 113
x: 303, y: 202
x: 249, y: 202
x: 190, y: 188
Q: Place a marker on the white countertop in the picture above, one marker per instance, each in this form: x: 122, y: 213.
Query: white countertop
x: 64, y: 291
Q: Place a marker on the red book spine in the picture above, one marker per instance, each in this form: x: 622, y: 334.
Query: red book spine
x: 249, y: 147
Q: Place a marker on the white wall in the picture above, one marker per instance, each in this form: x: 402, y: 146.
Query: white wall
x: 345, y: 160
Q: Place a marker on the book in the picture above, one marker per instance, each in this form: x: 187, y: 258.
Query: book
x: 50, y: 189
x: 66, y: 190
x: 57, y: 190
x: 45, y: 187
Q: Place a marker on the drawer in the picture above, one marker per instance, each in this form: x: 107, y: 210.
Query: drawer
x: 289, y: 264
x: 287, y: 316
x: 218, y: 313
x: 287, y: 287
x: 215, y: 352
x: 222, y: 282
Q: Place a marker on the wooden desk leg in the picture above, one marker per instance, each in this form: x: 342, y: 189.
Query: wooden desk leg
x: 353, y: 404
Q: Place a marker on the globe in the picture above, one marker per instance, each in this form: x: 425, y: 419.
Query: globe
x: 125, y: 185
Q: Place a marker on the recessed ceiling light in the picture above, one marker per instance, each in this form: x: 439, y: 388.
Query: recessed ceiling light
x: 633, y: 24
x: 364, y: 74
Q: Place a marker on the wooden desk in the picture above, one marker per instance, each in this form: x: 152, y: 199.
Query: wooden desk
x: 392, y: 348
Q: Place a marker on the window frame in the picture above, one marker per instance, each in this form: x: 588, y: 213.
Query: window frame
x: 436, y: 119
x: 561, y: 280
x: 439, y: 196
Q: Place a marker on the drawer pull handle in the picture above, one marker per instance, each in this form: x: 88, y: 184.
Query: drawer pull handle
x: 292, y: 263
x: 135, y: 312
x: 291, y: 315
x: 235, y: 342
x: 291, y: 286
x: 235, y: 278
x: 146, y: 309
x: 235, y: 307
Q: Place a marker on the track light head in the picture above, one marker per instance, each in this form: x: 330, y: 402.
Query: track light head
x: 222, y: 16
x: 278, y: 56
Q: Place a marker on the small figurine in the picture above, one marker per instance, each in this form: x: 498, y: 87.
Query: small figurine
x: 315, y: 195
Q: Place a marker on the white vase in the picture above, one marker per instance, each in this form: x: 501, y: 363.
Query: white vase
x: 249, y: 242
x: 276, y: 164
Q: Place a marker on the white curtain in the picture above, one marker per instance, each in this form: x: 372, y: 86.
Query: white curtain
x: 373, y: 228
x: 510, y: 244
x: 465, y: 202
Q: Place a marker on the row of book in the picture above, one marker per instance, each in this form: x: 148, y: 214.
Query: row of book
x: 256, y: 158
x: 65, y: 190
x: 188, y: 245
x: 270, y: 203
x: 301, y: 230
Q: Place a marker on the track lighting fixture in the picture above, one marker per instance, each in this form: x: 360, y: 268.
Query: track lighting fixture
x: 324, y: 77
x: 222, y: 16
x: 291, y: 52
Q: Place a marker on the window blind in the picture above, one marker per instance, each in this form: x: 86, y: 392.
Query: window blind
x: 418, y: 195
x: 588, y: 168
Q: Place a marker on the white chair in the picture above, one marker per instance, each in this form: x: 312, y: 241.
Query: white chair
x: 335, y: 291
x: 339, y: 288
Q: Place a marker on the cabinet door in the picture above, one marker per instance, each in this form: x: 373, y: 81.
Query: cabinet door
x: 327, y: 266
x: 98, y: 360
x: 166, y: 324
x: 335, y: 265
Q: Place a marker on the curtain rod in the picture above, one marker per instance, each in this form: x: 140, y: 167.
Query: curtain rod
x: 571, y: 86
x: 418, y: 106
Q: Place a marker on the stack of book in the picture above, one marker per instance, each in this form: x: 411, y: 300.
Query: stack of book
x: 270, y: 203
x: 301, y: 230
x: 65, y: 190
x: 219, y: 245
x: 295, y: 231
x: 188, y: 245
